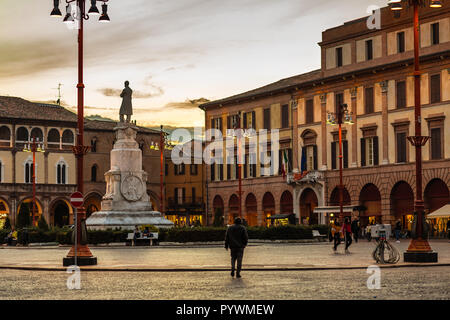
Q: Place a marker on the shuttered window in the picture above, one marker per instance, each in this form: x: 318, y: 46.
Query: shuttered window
x: 435, y: 88
x: 369, y: 100
x: 369, y: 151
x: 369, y: 50
x: 401, y: 147
x: 338, y: 100
x: 309, y: 111
x: 335, y: 154
x: 339, y: 59
x: 400, y: 42
x: 401, y: 94
x: 434, y: 33
x: 249, y: 120
x: 285, y: 116
x: 436, y: 144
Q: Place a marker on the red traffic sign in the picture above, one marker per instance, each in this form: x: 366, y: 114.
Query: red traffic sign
x: 76, y: 199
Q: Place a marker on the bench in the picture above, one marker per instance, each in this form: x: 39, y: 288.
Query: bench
x: 151, y: 240
x: 316, y: 234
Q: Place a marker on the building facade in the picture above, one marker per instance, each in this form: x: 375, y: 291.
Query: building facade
x: 372, y: 72
x: 55, y: 128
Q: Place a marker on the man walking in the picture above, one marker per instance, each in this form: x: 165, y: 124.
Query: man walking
x: 347, y: 231
x: 355, y: 229
x: 236, y: 238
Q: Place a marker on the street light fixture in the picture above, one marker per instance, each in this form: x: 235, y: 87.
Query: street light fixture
x: 56, y: 12
x: 94, y: 10
x: 338, y: 118
x: 84, y: 255
x: 419, y: 249
x: 34, y: 146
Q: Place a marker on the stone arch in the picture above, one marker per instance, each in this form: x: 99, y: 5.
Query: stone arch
x: 68, y: 137
x: 286, y: 203
x: 29, y: 202
x: 92, y: 203
x: 22, y: 134
x: 251, y: 209
x: 402, y: 202
x: 5, y: 134
x: 4, y: 212
x: 308, y: 202
x: 370, y: 198
x: 233, y: 208
x: 268, y: 206
x: 437, y: 173
x: 334, y: 197
x: 218, y: 204
x: 53, y: 137
x: 37, y: 134
x: 60, y: 212
x: 436, y: 195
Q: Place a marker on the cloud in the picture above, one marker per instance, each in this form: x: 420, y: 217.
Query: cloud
x: 155, y: 91
x: 186, y: 105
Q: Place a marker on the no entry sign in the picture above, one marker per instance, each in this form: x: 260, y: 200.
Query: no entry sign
x: 76, y: 199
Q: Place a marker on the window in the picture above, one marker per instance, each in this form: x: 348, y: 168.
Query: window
x: 179, y: 169
x: 94, y: 173
x: 194, y: 169
x: 309, y: 158
x: 61, y: 173
x: 335, y: 154
x: 435, y: 88
x: 339, y: 60
x: 1, y: 172
x: 166, y: 169
x: 401, y: 94
x: 338, y: 101
x: 180, y: 195
x: 309, y: 111
x: 401, y: 151
x: 249, y: 120
x: 285, y: 116
x: 22, y: 134
x: 369, y: 151
x: 67, y: 137
x: 250, y: 168
x: 436, y: 143
x: 267, y: 118
x: 94, y: 145
x: 233, y: 122
x: 400, y: 42
x: 213, y: 172
x: 369, y: 50
x: 281, y: 153
x: 216, y: 123
x: 29, y: 171
x: 193, y: 195
x: 434, y: 33
x: 266, y: 169
x: 217, y: 172
x: 369, y: 100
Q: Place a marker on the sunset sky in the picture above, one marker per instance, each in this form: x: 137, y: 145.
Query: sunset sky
x: 172, y: 52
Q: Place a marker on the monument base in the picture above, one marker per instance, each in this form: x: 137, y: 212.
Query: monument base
x: 420, y: 256
x: 126, y: 220
x: 81, y: 261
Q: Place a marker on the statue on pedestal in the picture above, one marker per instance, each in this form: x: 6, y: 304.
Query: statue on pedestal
x: 126, y: 108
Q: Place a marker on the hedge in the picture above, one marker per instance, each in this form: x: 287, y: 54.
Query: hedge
x: 3, y: 234
x: 186, y: 234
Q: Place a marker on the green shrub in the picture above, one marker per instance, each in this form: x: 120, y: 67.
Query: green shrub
x: 42, y: 224
x: 195, y: 234
x: 7, y: 225
x: 3, y: 234
x: 24, y: 216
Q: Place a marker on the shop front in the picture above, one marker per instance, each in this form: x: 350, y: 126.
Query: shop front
x: 438, y: 222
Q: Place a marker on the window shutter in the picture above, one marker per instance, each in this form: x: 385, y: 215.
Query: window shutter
x: 212, y: 123
x: 363, y: 152
x: 309, y: 116
x: 280, y: 160
x: 267, y: 118
x: 221, y: 172
x: 436, y: 143
x: 303, y: 160
x: 236, y: 168
x: 245, y: 120
x: 285, y: 116
x: 339, y: 99
x: 254, y: 170
x: 63, y: 174
x: 435, y: 84
x: 375, y: 151
x: 315, y: 157
x: 228, y: 171
x: 220, y: 124
x: 183, y: 195
x: 58, y: 174
x: 401, y: 94
x: 253, y: 120
x: 193, y: 195
x: 345, y: 153
x: 333, y: 155
x: 369, y: 100
x: 290, y: 159
x: 176, y: 195
x: 212, y: 172
x: 175, y: 169
x: 229, y: 122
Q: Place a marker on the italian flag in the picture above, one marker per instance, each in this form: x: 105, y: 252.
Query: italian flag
x: 284, y: 163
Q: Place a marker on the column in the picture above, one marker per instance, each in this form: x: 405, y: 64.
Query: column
x: 323, y: 105
x: 384, y: 121
x: 353, y: 94
x: 295, y: 165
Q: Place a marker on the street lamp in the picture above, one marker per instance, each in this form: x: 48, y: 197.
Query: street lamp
x: 34, y: 146
x: 419, y: 249
x: 84, y: 255
x: 163, y: 144
x: 341, y: 116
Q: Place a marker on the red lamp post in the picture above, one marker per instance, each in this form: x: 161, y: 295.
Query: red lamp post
x: 419, y: 249
x: 34, y: 146
x: 84, y: 255
x: 341, y: 116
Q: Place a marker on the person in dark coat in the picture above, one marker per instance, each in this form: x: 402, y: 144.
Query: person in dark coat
x: 355, y: 229
x: 236, y: 238
x: 347, y: 232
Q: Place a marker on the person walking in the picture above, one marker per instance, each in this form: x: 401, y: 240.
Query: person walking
x: 236, y: 238
x: 347, y: 231
x: 397, y: 230
x: 336, y: 233
x: 355, y: 229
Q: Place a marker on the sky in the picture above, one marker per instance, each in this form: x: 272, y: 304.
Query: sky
x: 176, y: 54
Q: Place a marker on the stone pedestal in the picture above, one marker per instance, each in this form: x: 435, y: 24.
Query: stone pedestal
x: 126, y: 202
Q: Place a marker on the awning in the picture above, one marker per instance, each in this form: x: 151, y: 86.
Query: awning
x: 280, y: 216
x: 443, y: 212
x: 334, y: 209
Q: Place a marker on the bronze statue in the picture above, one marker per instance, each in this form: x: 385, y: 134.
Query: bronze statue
x: 126, y: 108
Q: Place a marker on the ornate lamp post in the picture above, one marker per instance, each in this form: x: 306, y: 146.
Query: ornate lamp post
x: 341, y: 116
x: 34, y: 146
x: 84, y: 255
x: 163, y: 144
x: 419, y: 249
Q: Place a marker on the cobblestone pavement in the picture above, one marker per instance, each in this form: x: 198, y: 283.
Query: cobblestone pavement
x: 407, y: 283
x: 257, y: 255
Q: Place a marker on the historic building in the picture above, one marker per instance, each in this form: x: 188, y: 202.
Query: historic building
x: 55, y: 128
x: 185, y: 188
x: 372, y: 72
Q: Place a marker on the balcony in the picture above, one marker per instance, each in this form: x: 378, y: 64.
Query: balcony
x: 185, y: 203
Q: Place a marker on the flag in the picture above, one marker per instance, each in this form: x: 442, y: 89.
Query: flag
x: 284, y: 164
